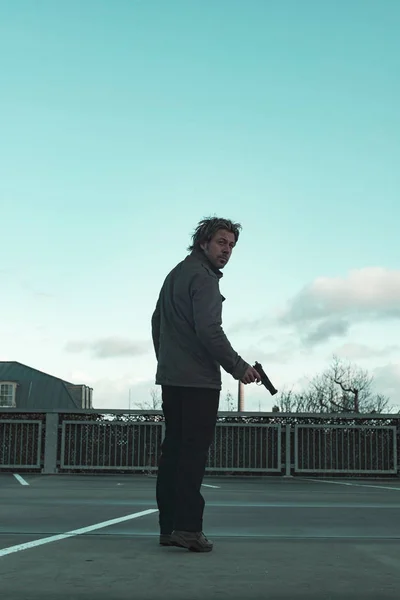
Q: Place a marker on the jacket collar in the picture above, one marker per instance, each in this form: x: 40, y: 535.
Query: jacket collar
x: 201, y: 257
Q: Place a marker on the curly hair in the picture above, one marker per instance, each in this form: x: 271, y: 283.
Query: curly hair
x: 207, y: 228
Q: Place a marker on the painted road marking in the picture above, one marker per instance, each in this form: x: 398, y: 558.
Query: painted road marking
x: 69, y: 534
x: 367, y: 485
x: 20, y: 479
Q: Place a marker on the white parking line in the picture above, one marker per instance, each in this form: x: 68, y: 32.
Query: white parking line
x: 217, y: 487
x: 64, y: 536
x: 20, y: 479
x: 367, y: 485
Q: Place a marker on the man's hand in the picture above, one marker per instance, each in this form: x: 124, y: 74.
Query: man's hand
x: 250, y: 376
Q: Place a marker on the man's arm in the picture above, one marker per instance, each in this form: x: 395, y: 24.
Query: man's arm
x: 155, y: 327
x: 207, y: 314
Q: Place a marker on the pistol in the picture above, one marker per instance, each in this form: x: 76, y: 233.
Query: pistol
x: 265, y: 379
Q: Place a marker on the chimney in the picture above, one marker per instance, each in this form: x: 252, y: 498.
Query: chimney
x: 240, y: 396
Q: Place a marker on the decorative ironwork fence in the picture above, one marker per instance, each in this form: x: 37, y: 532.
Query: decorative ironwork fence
x: 244, y: 443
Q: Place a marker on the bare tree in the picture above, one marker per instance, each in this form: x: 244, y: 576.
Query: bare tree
x: 381, y: 404
x: 154, y: 404
x: 342, y: 387
x: 291, y: 401
x: 288, y: 401
x: 345, y: 387
x: 230, y: 402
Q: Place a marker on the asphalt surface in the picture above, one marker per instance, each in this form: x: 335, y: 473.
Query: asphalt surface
x: 273, y: 538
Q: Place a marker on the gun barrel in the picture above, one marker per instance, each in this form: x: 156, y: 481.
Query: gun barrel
x: 269, y: 386
x: 265, y: 379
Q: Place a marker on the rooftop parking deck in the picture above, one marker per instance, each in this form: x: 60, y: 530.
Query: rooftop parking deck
x: 76, y: 537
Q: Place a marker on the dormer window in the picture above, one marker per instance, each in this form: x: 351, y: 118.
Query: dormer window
x: 8, y: 391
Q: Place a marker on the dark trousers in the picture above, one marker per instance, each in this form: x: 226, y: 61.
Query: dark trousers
x: 190, y: 419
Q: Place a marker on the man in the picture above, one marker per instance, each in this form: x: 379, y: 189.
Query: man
x: 190, y: 347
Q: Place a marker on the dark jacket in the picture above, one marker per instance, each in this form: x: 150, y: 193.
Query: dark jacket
x: 188, y: 338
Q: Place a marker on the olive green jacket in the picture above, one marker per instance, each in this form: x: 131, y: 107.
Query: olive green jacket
x: 188, y: 338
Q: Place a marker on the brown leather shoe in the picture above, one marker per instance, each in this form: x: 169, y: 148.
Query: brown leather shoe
x: 195, y: 541
x: 165, y: 539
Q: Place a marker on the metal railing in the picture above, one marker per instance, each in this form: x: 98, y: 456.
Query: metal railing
x: 345, y: 449
x: 257, y: 443
x: 240, y: 447
x: 110, y: 446
x: 20, y: 443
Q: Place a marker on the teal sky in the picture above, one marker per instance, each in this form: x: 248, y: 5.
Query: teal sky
x: 124, y: 123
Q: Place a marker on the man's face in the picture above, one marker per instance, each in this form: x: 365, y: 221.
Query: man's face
x: 219, y: 249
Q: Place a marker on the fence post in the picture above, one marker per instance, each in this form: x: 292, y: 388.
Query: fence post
x: 51, y: 444
x: 288, y: 458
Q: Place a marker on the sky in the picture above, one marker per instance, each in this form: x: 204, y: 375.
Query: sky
x: 125, y: 123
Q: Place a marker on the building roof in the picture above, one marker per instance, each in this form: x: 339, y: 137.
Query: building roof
x: 53, y: 391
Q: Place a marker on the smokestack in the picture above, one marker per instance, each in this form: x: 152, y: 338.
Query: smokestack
x: 240, y: 396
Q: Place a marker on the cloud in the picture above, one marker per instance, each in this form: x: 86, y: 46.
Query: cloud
x: 43, y: 294
x: 30, y: 287
x: 387, y: 381
x: 110, y: 347
x: 245, y: 325
x: 325, y: 330
x: 284, y: 351
x: 356, y: 351
x: 122, y: 393
x: 328, y: 307
x: 281, y: 356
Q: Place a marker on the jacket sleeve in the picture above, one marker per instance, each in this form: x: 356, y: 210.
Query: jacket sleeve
x: 207, y: 315
x: 155, y: 327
